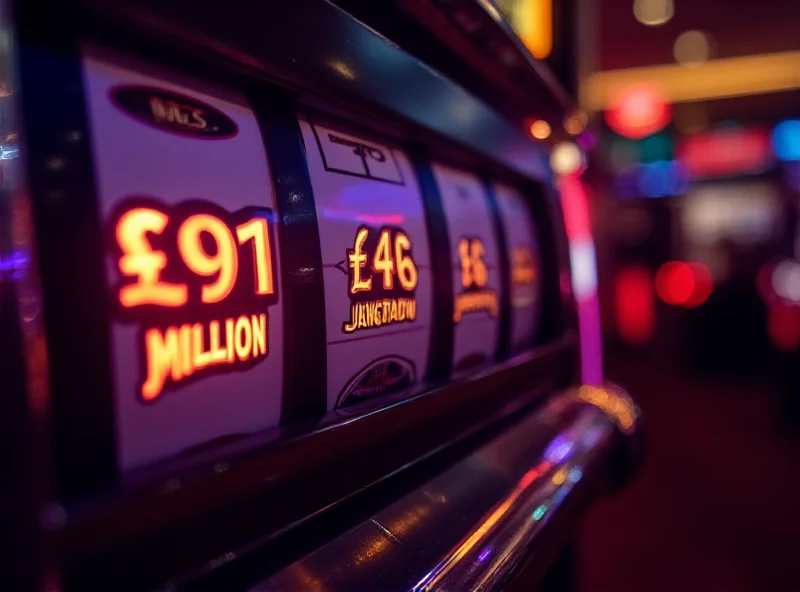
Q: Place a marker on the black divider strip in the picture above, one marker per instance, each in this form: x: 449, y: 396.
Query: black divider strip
x: 304, y: 349
x: 504, y: 341
x: 440, y: 359
x: 58, y: 157
x: 549, y: 220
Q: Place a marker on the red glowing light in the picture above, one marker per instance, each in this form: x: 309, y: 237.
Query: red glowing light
x: 684, y: 284
x: 783, y: 326
x: 576, y: 208
x: 633, y: 303
x: 638, y: 111
x: 726, y: 152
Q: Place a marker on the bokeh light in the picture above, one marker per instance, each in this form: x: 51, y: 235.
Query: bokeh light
x: 692, y: 48
x: 540, y: 129
x: 679, y: 283
x: 653, y: 12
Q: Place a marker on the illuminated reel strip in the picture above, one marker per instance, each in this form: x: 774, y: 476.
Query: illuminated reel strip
x: 178, y: 352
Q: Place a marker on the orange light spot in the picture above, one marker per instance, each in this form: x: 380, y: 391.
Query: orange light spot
x: 140, y: 260
x: 224, y: 264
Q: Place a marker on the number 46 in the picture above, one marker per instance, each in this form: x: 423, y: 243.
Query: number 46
x: 387, y: 261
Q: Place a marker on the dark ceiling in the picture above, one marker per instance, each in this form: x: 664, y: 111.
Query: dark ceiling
x: 739, y: 27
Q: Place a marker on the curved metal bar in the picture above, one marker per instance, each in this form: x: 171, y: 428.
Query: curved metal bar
x: 473, y: 525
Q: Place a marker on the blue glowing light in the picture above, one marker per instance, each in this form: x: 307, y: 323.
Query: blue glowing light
x: 561, y: 494
x: 484, y: 554
x: 575, y: 475
x: 539, y: 512
x: 786, y: 140
x: 662, y: 178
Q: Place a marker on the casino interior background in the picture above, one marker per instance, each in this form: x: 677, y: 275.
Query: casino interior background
x: 693, y: 184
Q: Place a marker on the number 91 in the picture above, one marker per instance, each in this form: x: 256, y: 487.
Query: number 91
x: 140, y: 260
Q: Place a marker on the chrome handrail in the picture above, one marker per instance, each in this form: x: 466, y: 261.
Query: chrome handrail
x: 472, y: 526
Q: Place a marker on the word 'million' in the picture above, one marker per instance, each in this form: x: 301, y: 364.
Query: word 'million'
x: 176, y: 353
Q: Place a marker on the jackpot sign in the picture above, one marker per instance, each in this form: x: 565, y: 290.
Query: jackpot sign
x: 197, y: 280
x: 382, y: 278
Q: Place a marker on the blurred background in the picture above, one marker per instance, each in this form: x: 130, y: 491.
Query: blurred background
x: 686, y: 151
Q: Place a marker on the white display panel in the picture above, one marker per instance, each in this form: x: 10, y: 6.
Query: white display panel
x: 476, y: 266
x: 376, y: 262
x: 523, y: 256
x: 187, y: 206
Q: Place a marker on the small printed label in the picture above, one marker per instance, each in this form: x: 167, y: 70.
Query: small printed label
x: 173, y: 112
x: 389, y: 374
x: 350, y: 155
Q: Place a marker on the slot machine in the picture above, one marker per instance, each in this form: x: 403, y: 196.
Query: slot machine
x: 285, y: 303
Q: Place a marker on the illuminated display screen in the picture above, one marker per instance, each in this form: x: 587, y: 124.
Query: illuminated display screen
x: 192, y: 259
x: 476, y: 269
x: 376, y: 262
x: 523, y: 249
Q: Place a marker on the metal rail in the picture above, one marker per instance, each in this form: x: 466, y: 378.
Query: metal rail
x: 473, y: 526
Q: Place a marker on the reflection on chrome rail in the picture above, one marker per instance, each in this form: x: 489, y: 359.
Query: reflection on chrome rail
x: 473, y: 525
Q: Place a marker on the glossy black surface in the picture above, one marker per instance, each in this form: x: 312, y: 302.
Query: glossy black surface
x: 473, y: 525
x: 275, y: 482
x: 475, y: 47
x: 314, y: 46
x: 442, y: 331
x: 304, y: 345
x: 69, y: 247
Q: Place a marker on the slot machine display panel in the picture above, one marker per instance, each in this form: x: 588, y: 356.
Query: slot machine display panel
x: 200, y: 426
x: 376, y: 262
x: 474, y: 249
x: 522, y: 248
x: 187, y: 211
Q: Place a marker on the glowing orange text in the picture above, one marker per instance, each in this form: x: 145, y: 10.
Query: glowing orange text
x: 177, y: 353
x: 474, y: 279
x: 382, y: 279
x: 140, y: 260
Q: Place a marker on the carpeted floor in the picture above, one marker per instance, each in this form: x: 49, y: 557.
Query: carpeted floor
x: 716, y: 506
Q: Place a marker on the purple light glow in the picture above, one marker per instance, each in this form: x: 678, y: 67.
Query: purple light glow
x: 559, y: 449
